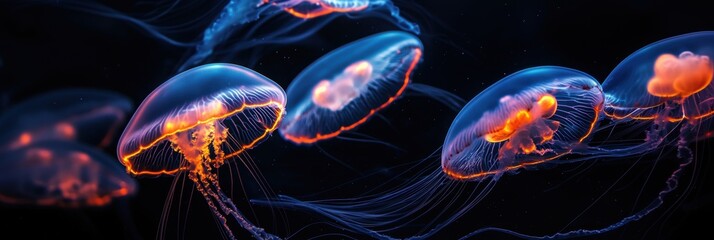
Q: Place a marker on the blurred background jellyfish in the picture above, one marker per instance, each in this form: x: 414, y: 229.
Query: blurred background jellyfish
x: 62, y: 174
x: 196, y: 121
x: 236, y: 15
x: 525, y: 120
x: 346, y: 87
x: 89, y: 116
x: 49, y: 157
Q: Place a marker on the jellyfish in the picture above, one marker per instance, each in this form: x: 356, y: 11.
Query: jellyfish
x: 665, y: 85
x: 307, y: 9
x: 526, y: 120
x: 349, y: 85
x: 665, y: 82
x: 509, y: 128
x: 196, y: 121
x: 237, y: 14
x: 57, y: 173
x: 90, y: 116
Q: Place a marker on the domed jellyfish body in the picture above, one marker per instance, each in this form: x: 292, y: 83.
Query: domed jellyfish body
x: 90, y: 116
x: 526, y: 119
x: 196, y: 121
x: 347, y: 86
x: 61, y: 174
x: 667, y: 81
x: 307, y: 9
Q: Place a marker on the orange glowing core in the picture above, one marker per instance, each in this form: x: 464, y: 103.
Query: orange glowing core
x: 336, y: 94
x: 680, y: 76
x: 76, y: 181
x: 545, y: 107
x: 187, y: 118
x: 25, y: 139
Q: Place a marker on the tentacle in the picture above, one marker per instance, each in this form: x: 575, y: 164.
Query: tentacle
x: 683, y: 152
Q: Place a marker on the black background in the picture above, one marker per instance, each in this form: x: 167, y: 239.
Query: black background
x: 468, y: 46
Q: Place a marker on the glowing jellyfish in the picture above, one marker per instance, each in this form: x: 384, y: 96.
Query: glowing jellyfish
x: 61, y: 174
x: 667, y: 81
x: 236, y: 14
x: 307, y: 9
x: 196, y: 121
x: 87, y: 115
x: 528, y: 118
x: 663, y: 83
x: 347, y: 86
x: 509, y: 126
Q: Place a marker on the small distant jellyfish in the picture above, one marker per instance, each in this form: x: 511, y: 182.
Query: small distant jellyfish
x: 527, y: 119
x: 233, y: 19
x: 307, y: 9
x: 237, y: 13
x: 196, y: 121
x: 347, y: 86
x: 61, y: 174
x: 90, y: 116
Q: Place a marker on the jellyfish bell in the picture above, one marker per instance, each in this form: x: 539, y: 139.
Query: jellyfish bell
x: 62, y: 174
x: 659, y: 87
x: 344, y: 88
x: 196, y: 121
x: 200, y: 114
x: 90, y: 116
x: 527, y: 118
x: 669, y: 80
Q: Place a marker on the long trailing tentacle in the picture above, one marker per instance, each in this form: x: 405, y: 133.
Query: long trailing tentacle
x: 683, y: 152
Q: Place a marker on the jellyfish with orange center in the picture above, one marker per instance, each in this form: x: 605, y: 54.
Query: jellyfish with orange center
x: 320, y: 12
x: 508, y: 127
x: 61, y: 174
x: 196, y: 121
x: 666, y: 81
x: 348, y: 86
